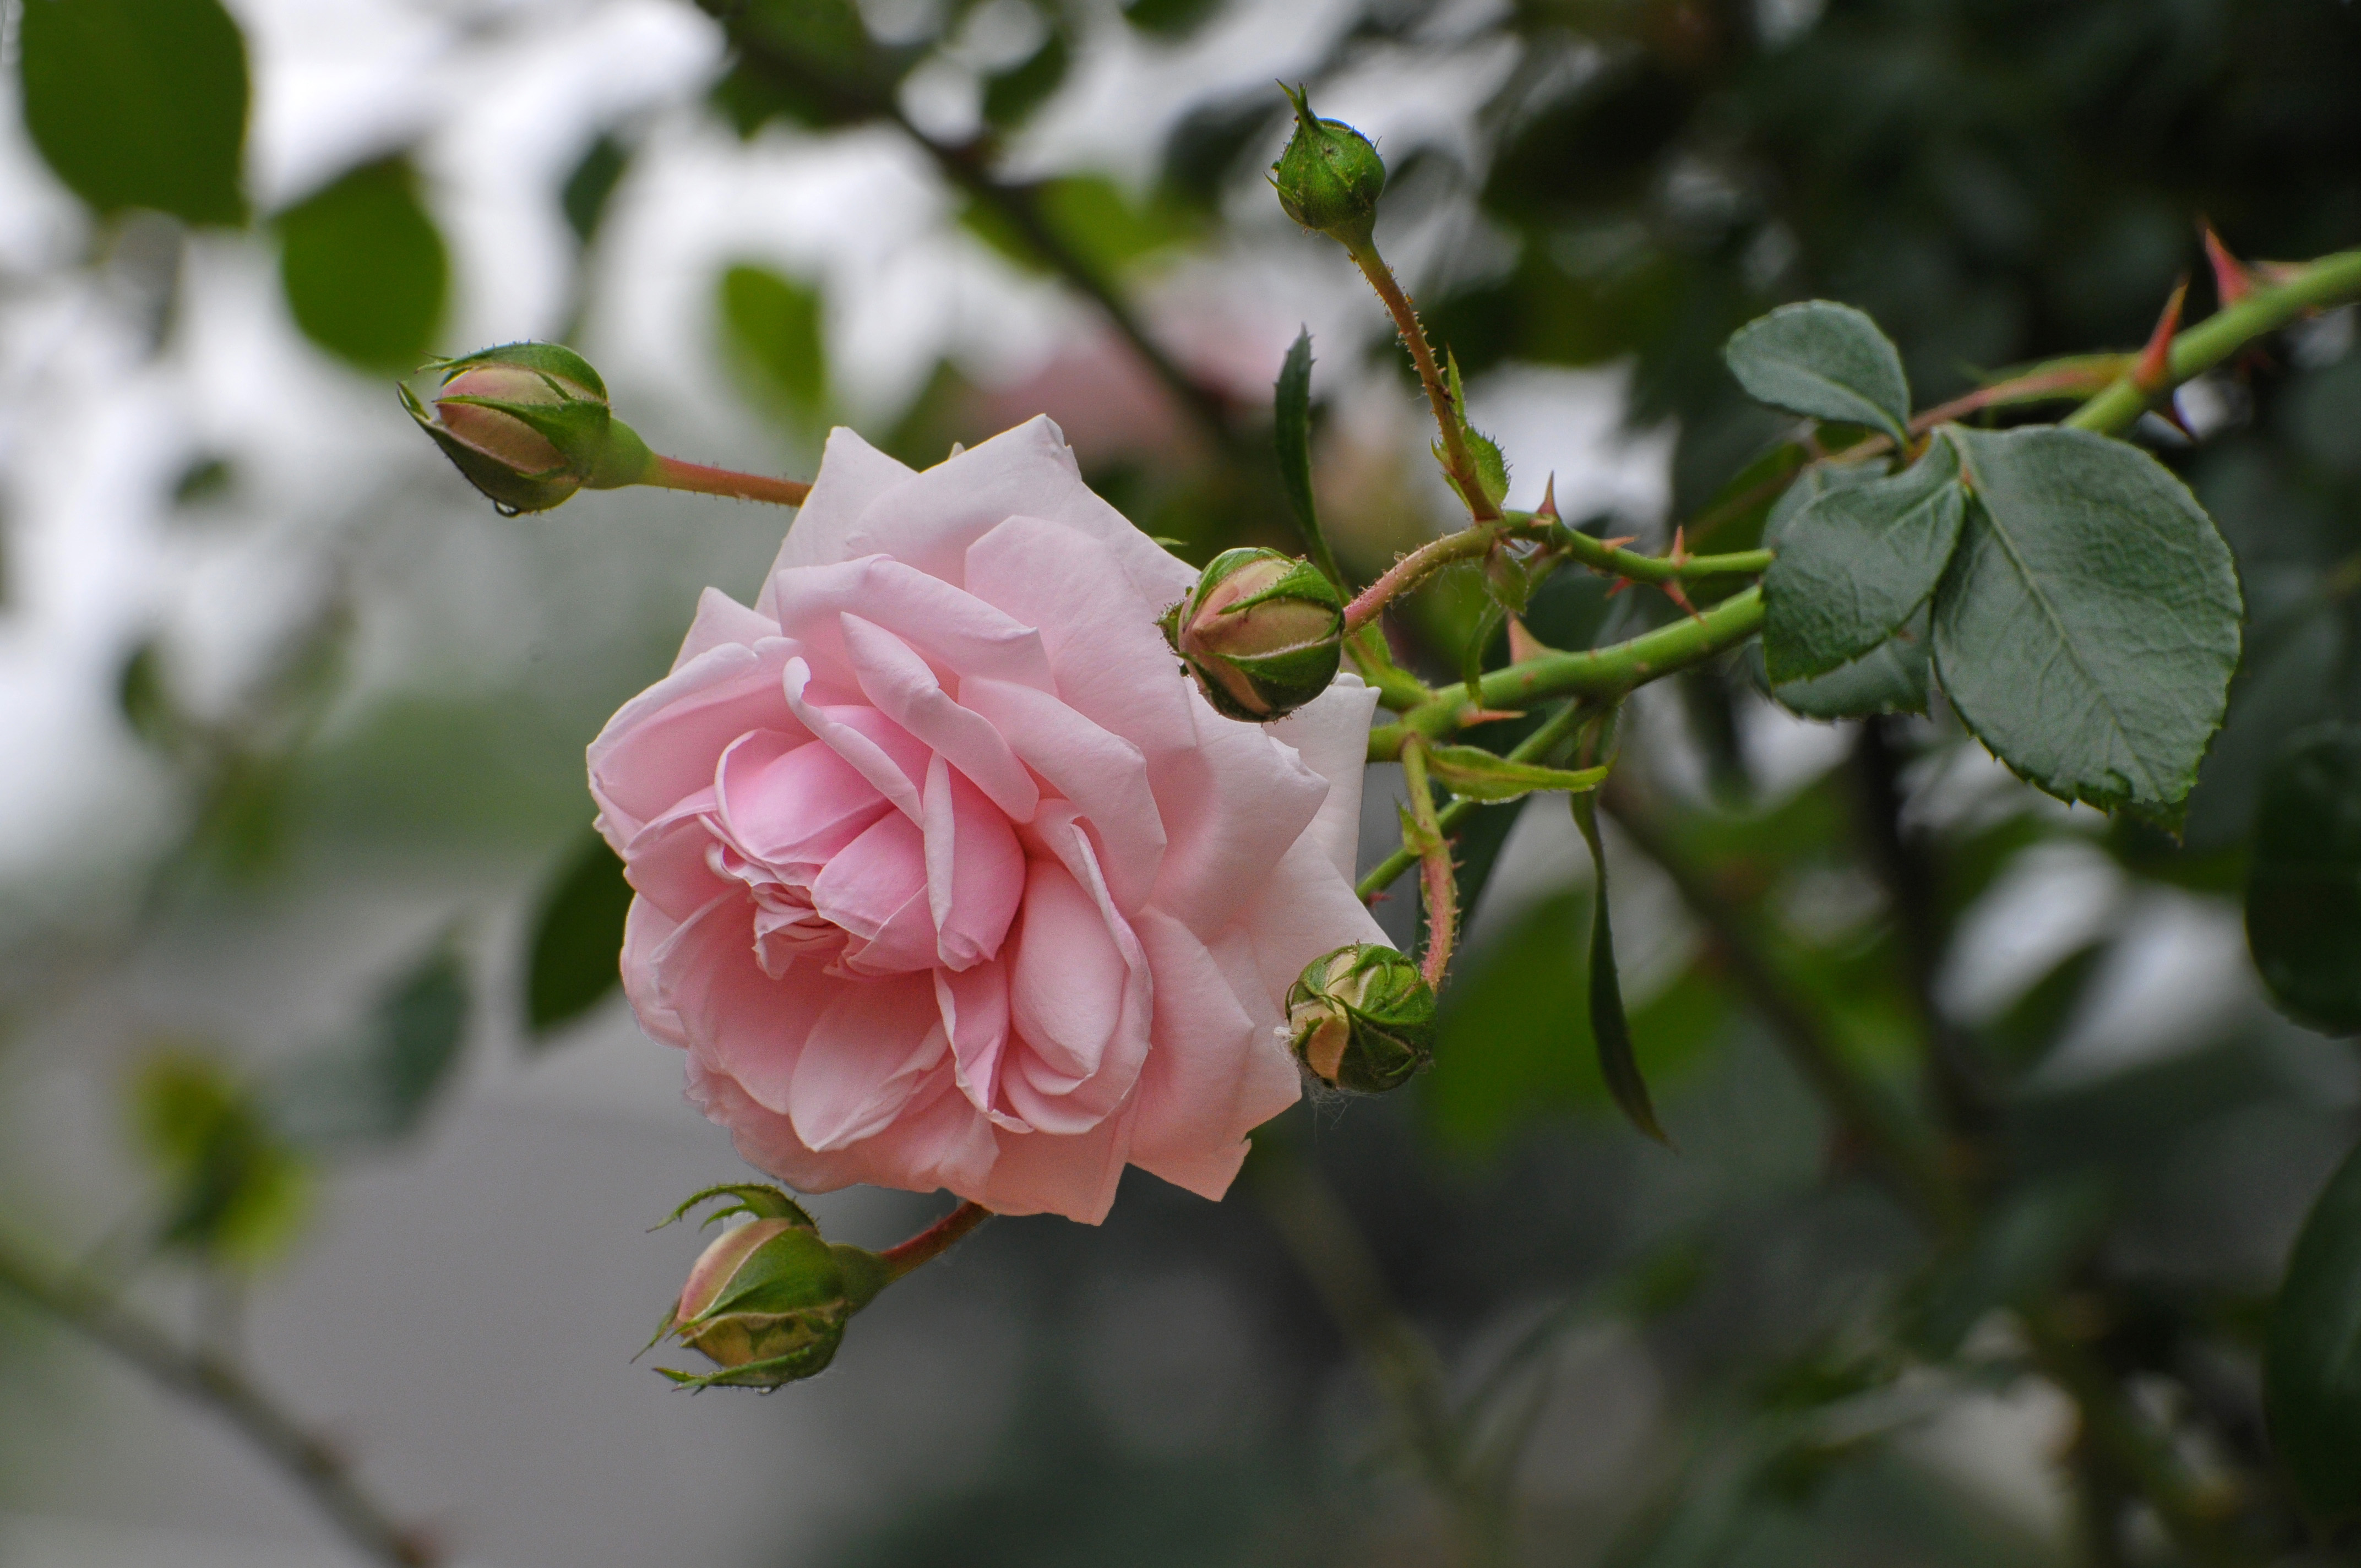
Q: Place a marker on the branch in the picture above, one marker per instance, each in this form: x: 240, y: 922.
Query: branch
x: 1558, y: 727
x: 934, y: 1241
x: 203, y: 1378
x: 1597, y: 555
x: 1434, y: 850
x: 1447, y: 415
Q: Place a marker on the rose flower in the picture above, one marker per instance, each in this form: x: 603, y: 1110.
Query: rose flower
x: 946, y: 875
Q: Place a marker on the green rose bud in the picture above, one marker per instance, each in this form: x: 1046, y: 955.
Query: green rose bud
x: 1261, y: 632
x: 1361, y: 1018
x: 767, y: 1301
x: 528, y: 424
x: 1329, y: 177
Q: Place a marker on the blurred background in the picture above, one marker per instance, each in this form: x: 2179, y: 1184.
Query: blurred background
x: 303, y: 1044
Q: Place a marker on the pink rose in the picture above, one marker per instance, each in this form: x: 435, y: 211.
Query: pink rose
x: 946, y: 875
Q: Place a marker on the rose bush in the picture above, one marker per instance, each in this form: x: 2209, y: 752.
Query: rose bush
x: 946, y: 876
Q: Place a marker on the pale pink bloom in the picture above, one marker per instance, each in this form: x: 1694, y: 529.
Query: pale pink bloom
x: 948, y: 877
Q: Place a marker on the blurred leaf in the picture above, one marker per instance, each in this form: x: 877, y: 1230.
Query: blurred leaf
x: 773, y: 327
x: 1826, y: 360
x: 364, y: 268
x: 2025, y: 1249
x: 1734, y: 516
x: 145, y: 698
x: 234, y: 1193
x: 1090, y: 213
x: 377, y: 1086
x: 591, y: 185
x: 2031, y: 1025
x: 2303, y: 889
x: 2311, y: 1372
x: 138, y: 102
x: 1010, y: 96
x: 1171, y: 18
x: 2088, y: 627
x: 203, y: 481
x: 1856, y: 563
x: 578, y: 938
x: 1619, y: 1063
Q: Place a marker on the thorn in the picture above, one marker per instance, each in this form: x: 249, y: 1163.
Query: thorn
x: 2232, y: 281
x: 1617, y: 543
x: 1679, y: 552
x: 2153, y: 372
x: 1618, y: 586
x: 1673, y: 591
x: 1473, y: 716
x: 1524, y: 644
x: 1548, y: 507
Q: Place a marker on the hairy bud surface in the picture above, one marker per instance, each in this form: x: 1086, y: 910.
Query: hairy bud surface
x: 1361, y: 1018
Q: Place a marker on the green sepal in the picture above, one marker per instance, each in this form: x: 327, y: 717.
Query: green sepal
x: 758, y: 1199
x: 1473, y: 774
x: 773, y: 1373
x: 863, y: 1272
x: 507, y: 487
x: 575, y: 426
x: 549, y: 358
x: 625, y: 459
x: 1329, y: 177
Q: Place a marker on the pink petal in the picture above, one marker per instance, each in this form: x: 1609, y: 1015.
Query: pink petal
x: 1079, y: 994
x: 721, y: 620
x: 852, y: 475
x: 736, y: 1019
x: 975, y: 1007
x: 864, y: 1060
x: 1039, y: 1173
x: 1303, y: 909
x: 1331, y: 734
x: 976, y: 869
x: 878, y: 749
x: 786, y: 800
x: 662, y: 744
x: 952, y: 627
x: 872, y: 880
x: 1217, y: 1070
x: 1103, y: 775
x: 906, y: 691
x: 1233, y: 804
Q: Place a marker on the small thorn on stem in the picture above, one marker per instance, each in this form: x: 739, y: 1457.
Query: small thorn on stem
x: 1548, y: 507
x: 2231, y: 280
x: 2153, y: 373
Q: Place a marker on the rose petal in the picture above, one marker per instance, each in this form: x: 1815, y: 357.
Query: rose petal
x: 662, y: 744
x: 906, y: 691
x: 975, y: 1007
x: 864, y: 1060
x: 878, y: 749
x: 953, y: 628
x: 1304, y: 909
x: 1232, y: 804
x: 788, y: 800
x: 1218, y: 1069
x: 1076, y: 1176
x: 1331, y: 734
x: 852, y: 475
x: 976, y: 869
x: 872, y: 880
x: 1102, y: 773
x: 721, y: 620
x: 1080, y: 998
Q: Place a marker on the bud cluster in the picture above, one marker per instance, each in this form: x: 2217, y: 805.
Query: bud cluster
x: 1361, y: 1018
x: 1262, y: 634
x: 528, y: 424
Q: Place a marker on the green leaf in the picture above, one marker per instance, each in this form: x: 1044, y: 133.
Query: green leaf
x: 577, y: 938
x: 2311, y: 1369
x: 2089, y: 623
x: 2304, y: 888
x: 1826, y: 360
x: 377, y: 1086
x: 364, y: 268
x: 1291, y: 431
x: 1856, y: 561
x: 138, y: 102
x: 1473, y: 774
x: 234, y: 1193
x: 1610, y: 1029
x: 591, y: 185
x: 1171, y: 19
x: 773, y: 331
x: 1892, y: 677
x: 1011, y: 96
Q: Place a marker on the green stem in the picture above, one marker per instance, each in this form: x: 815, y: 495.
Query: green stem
x: 934, y: 1241
x: 1598, y: 673
x: 1471, y: 542
x: 1447, y: 417
x: 213, y: 1381
x: 1545, y: 739
x: 2330, y: 280
x: 672, y: 473
x: 1441, y: 887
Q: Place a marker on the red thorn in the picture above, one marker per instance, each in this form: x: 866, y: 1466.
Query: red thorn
x: 1549, y: 499
x: 2232, y: 281
x: 1523, y: 643
x: 1617, y: 543
x: 2153, y: 372
x: 1618, y: 586
x: 1673, y: 591
x: 1475, y: 716
x: 1679, y: 552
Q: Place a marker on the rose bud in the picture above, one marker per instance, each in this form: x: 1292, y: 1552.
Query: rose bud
x: 1329, y: 177
x: 528, y: 424
x: 1262, y: 634
x: 1361, y: 1018
x: 767, y: 1303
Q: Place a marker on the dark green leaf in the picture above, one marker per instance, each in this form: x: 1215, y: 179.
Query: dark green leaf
x: 138, y: 102
x: 1610, y: 1030
x: 2025, y: 1249
x: 364, y: 268
x: 234, y: 1192
x: 1854, y: 564
x: 2312, y: 1371
x: 577, y: 938
x: 1171, y: 18
x: 1826, y: 360
x: 1890, y: 678
x: 2089, y: 623
x: 1473, y: 774
x: 378, y: 1085
x: 1009, y: 96
x: 2304, y: 891
x: 144, y: 697
x: 591, y: 186
x: 1291, y: 429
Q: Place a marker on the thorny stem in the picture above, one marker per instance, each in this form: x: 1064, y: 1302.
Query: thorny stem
x: 934, y: 1241
x: 672, y: 473
x: 1442, y: 888
x: 207, y: 1379
x: 1456, y: 455
x: 1539, y: 743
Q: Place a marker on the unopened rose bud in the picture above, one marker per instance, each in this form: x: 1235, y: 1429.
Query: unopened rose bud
x: 767, y: 1303
x: 1329, y: 177
x: 1361, y: 1018
x: 528, y: 424
x: 1261, y: 632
